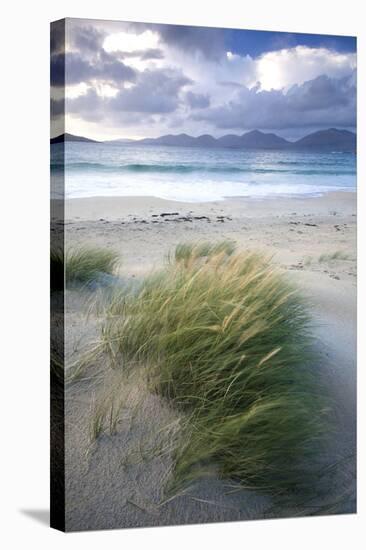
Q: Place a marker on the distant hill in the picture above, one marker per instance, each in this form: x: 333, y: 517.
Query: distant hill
x: 324, y: 140
x: 328, y: 140
x: 70, y: 137
x: 253, y: 140
x: 230, y: 140
x: 180, y: 140
x: 205, y: 141
x: 260, y: 140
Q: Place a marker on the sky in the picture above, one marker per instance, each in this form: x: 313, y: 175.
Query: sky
x: 136, y: 80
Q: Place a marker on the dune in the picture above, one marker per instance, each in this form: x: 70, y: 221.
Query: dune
x: 313, y: 241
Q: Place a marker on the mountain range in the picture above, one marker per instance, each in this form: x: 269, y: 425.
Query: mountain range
x: 322, y: 141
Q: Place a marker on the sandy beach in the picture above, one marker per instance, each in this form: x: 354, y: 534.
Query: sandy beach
x: 312, y: 239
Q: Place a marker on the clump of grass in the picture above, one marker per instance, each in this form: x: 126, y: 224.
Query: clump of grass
x: 227, y: 340
x: 122, y: 392
x: 98, y: 416
x: 80, y: 265
x: 187, y: 251
x: 106, y: 414
x: 338, y: 255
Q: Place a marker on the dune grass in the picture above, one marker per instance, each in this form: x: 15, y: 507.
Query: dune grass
x: 185, y: 251
x: 337, y: 255
x: 80, y: 265
x: 226, y: 339
x: 326, y: 258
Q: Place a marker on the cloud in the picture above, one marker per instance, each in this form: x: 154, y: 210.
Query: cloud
x: 209, y: 42
x: 145, y: 55
x: 127, y: 41
x: 57, y: 108
x: 57, y: 42
x: 89, y: 106
x: 105, y: 68
x: 230, y: 84
x: 206, y: 41
x: 284, y: 68
x: 155, y: 92
x: 197, y: 101
x: 322, y: 101
x: 322, y: 93
x: 86, y: 38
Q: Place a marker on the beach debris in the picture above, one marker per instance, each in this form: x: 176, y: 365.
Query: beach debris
x: 308, y: 224
x: 163, y: 214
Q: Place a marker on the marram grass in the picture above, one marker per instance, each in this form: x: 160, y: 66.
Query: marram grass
x: 226, y: 338
x: 81, y: 265
x: 185, y: 251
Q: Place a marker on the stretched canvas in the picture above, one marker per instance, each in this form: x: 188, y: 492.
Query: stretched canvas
x: 203, y: 274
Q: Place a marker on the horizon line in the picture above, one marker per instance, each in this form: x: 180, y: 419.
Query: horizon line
x: 201, y: 135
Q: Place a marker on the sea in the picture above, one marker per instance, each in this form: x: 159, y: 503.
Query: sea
x: 197, y: 174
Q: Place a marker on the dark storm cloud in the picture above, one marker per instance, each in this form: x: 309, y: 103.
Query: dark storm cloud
x: 57, y: 42
x: 155, y: 92
x: 322, y: 93
x: 86, y: 60
x: 58, y: 69
x: 105, y: 68
x: 323, y: 101
x: 210, y: 42
x: 197, y: 101
x: 87, y: 39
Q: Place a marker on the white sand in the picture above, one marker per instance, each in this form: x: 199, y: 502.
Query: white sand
x: 296, y: 232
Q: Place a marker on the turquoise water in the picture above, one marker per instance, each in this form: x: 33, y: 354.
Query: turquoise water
x: 198, y: 174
